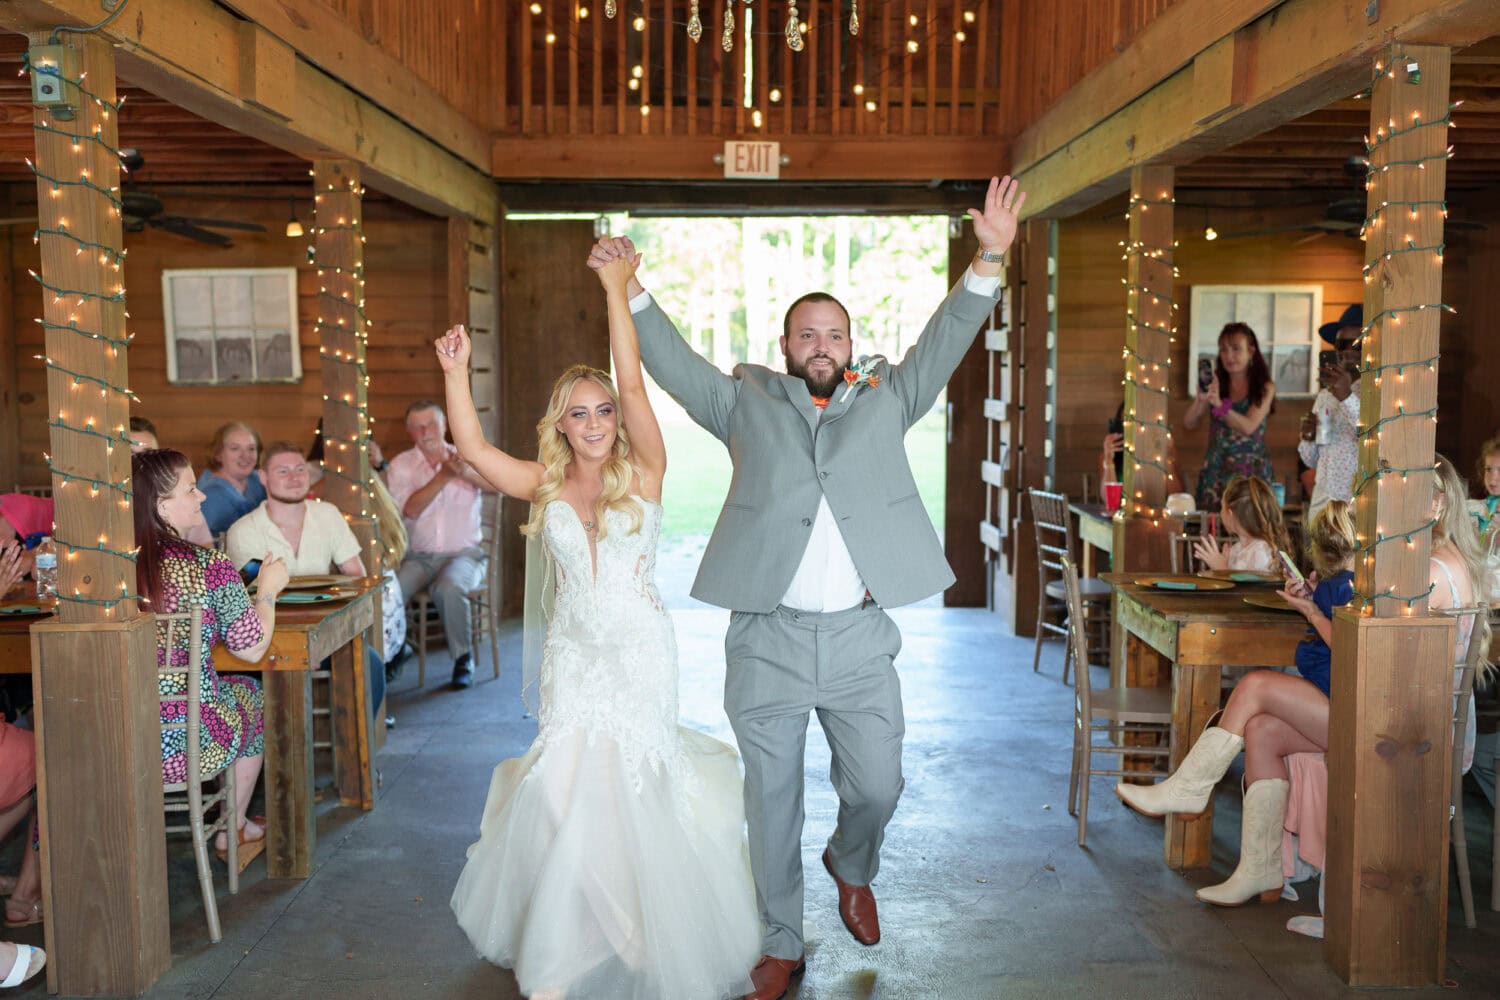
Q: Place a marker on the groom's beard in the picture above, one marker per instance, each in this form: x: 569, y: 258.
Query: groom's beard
x: 819, y: 386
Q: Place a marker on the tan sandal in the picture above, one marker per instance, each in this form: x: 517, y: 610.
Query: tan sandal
x: 33, y: 914
x: 248, y: 850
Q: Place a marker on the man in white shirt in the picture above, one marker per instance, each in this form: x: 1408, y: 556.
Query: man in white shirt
x: 309, y: 535
x: 438, y: 494
x: 1330, y: 433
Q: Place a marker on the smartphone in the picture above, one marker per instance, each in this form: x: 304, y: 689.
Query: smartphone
x: 1205, y: 374
x: 1116, y: 425
x: 250, y: 570
x: 1328, y: 359
x: 1291, y: 567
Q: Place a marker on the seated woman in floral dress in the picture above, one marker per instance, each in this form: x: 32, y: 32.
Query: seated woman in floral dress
x: 175, y: 575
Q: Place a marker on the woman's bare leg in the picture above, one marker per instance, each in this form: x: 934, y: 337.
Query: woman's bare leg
x: 1268, y: 740
x: 1293, y: 700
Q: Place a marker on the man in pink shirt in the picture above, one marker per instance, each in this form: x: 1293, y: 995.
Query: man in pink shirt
x: 438, y: 494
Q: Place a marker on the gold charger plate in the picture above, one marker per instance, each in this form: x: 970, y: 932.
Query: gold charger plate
x: 1183, y: 584
x: 1271, y: 602
x: 316, y: 582
x: 1243, y: 576
x: 311, y: 597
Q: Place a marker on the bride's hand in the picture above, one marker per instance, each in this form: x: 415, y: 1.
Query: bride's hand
x: 453, y: 349
x: 617, y: 272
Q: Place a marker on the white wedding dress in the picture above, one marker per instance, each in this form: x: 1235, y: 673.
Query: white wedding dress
x: 611, y: 859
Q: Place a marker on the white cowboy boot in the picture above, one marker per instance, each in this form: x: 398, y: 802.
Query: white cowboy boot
x: 1189, y: 787
x: 1259, y: 870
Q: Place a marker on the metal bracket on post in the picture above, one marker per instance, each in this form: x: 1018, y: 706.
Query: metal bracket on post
x: 52, y: 66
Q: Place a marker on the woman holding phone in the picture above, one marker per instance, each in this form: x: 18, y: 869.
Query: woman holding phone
x: 1237, y: 400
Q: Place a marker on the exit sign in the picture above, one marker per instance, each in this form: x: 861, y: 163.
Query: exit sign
x: 752, y: 160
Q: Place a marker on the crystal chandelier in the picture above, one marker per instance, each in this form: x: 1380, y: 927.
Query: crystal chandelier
x: 795, y: 26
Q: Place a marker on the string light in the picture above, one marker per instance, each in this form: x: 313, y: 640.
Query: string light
x: 1151, y: 372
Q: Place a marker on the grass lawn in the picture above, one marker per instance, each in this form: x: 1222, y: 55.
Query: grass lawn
x: 698, y: 472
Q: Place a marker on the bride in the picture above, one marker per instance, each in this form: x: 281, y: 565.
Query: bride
x: 611, y: 859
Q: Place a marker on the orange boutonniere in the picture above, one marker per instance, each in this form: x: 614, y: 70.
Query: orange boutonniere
x: 861, y: 373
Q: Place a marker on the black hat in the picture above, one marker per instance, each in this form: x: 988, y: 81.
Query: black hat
x: 1353, y: 316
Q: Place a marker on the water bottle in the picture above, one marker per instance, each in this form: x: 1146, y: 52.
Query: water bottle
x: 45, y: 572
x: 1325, y: 427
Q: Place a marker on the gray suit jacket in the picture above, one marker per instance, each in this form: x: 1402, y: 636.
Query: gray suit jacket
x: 787, y: 456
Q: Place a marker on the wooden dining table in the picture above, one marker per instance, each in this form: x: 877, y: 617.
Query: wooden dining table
x: 1096, y: 531
x: 1183, y: 639
x: 305, y: 635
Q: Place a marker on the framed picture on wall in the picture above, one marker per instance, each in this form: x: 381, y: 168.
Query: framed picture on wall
x: 231, y: 325
x: 1285, y: 321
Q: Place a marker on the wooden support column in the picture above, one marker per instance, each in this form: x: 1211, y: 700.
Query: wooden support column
x: 1028, y: 426
x: 1390, y: 730
x: 98, y: 731
x: 10, y: 416
x: 1141, y: 531
x: 971, y: 559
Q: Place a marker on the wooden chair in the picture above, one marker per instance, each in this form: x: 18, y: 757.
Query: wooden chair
x: 187, y: 796
x: 35, y: 491
x: 1464, y: 669
x: 1112, y: 712
x: 1057, y: 537
x: 422, y: 621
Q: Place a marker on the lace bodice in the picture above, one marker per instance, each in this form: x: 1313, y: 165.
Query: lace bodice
x: 609, y: 665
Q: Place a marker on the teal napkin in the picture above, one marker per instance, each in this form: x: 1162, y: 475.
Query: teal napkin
x: 303, y: 598
x: 1247, y: 578
x: 21, y: 609
x: 1176, y: 585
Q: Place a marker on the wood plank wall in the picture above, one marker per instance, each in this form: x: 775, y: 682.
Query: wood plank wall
x: 1076, y: 37
x: 1091, y: 325
x: 1471, y: 352
x: 450, y: 45
x: 406, y: 298
x: 914, y: 68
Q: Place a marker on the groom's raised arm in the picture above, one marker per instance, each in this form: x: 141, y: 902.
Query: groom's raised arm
x: 705, y: 392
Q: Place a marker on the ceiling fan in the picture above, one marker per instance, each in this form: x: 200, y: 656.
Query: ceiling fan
x: 1341, y: 216
x: 140, y: 209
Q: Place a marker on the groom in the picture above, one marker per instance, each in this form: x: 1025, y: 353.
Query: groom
x: 822, y: 529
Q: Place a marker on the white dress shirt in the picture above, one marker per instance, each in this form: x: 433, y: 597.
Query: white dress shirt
x: 826, y: 578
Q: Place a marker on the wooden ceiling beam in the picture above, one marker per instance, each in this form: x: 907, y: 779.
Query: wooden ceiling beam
x: 845, y: 158
x: 196, y: 55
x: 1293, y: 61
x: 319, y: 35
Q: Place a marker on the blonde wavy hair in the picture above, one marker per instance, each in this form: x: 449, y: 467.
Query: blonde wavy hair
x: 554, y: 452
x: 1332, y: 538
x: 1456, y: 526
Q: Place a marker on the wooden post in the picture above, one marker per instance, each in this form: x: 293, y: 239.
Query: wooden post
x: 1034, y: 356
x: 967, y: 429
x: 98, y: 730
x: 1390, y: 730
x: 10, y: 411
x: 1141, y: 530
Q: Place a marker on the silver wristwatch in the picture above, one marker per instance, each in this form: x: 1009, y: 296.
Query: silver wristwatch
x: 992, y: 256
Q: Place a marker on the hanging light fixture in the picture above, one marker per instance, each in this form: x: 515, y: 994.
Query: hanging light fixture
x: 795, y: 26
x: 293, y: 227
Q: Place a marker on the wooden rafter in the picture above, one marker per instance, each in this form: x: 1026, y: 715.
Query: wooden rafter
x: 205, y: 71
x: 1292, y: 61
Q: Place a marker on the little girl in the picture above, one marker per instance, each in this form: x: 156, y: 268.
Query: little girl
x: 1249, y: 512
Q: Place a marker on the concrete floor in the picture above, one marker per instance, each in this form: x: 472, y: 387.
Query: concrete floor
x: 983, y: 890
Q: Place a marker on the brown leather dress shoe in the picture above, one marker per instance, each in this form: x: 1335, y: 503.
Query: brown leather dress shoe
x: 856, y: 907
x: 772, y: 976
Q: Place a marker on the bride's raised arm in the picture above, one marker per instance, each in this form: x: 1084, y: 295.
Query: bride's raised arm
x: 508, y: 474
x: 647, y: 450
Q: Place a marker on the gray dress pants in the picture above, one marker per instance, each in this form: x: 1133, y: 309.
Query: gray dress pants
x: 781, y: 666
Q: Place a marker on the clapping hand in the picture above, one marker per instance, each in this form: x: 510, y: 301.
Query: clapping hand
x: 273, y: 576
x: 12, y: 566
x: 453, y: 349
x: 995, y: 224
x: 1209, y: 553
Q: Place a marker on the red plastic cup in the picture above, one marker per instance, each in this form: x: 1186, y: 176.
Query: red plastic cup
x: 1113, y: 493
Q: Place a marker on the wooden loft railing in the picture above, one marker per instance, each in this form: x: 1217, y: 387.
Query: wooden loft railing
x: 915, y: 68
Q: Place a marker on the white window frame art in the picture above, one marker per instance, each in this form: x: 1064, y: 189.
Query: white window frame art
x: 208, y: 326
x: 1274, y: 313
